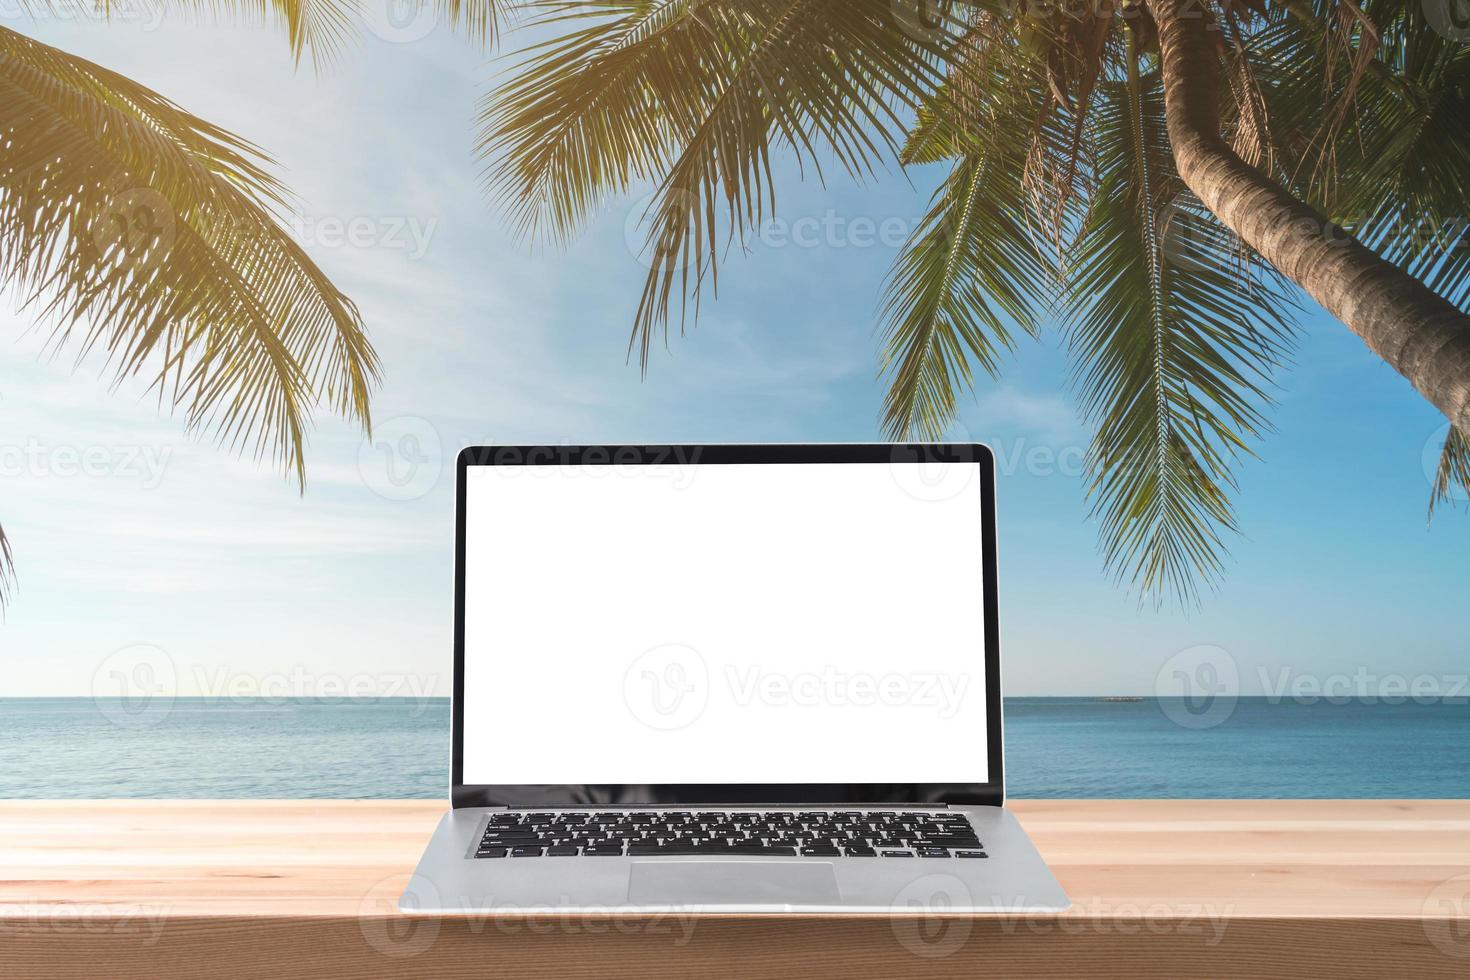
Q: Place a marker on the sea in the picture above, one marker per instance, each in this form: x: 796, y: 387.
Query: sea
x: 199, y: 748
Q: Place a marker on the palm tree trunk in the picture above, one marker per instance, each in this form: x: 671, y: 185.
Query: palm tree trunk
x: 1421, y: 334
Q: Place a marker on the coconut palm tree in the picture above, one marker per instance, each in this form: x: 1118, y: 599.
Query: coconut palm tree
x: 136, y: 230
x: 1165, y: 178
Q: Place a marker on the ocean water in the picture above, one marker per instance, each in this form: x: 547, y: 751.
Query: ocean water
x: 1055, y: 747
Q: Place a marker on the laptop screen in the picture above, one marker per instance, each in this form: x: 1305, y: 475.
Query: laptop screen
x: 688, y: 623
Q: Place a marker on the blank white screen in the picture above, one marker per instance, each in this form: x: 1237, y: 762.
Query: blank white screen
x: 749, y: 623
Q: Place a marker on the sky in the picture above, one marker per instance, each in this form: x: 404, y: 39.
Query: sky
x: 131, y: 535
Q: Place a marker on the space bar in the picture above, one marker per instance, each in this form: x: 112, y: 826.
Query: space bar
x: 680, y: 850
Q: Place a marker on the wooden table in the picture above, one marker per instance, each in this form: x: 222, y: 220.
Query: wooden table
x: 1162, y: 888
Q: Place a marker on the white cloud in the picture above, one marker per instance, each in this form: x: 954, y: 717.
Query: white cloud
x: 1048, y: 417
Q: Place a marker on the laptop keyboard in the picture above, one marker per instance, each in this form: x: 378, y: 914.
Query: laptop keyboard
x: 779, y: 833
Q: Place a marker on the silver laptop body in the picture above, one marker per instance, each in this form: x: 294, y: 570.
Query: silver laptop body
x: 727, y: 679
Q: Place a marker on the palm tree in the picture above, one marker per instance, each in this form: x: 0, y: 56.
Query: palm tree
x: 137, y: 230
x: 1166, y: 178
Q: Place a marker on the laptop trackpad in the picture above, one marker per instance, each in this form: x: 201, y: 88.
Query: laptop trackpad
x: 732, y: 883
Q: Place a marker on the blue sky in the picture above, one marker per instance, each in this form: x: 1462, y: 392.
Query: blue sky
x: 167, y: 542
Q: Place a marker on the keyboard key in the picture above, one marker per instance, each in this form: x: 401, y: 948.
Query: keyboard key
x: 561, y: 850
x: 971, y: 854
x: 860, y: 851
x: 820, y: 850
x: 933, y: 852
x: 897, y: 854
x: 490, y: 852
x: 526, y: 852
x: 604, y: 850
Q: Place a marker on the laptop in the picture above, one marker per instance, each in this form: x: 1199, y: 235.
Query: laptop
x: 727, y: 678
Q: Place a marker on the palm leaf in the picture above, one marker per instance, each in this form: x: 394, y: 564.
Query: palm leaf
x: 1404, y: 190
x: 7, y: 570
x: 975, y: 270
x: 319, y: 28
x: 1174, y: 345
x: 807, y: 74
x: 697, y: 95
x: 1453, y: 473
x: 140, y: 231
x: 585, y: 114
x: 479, y: 20
x: 969, y: 275
x: 984, y: 59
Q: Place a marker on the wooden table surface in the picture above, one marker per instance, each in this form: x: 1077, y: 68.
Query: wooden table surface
x: 1161, y: 888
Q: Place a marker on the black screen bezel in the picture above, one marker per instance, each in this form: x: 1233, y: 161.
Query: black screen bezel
x: 987, y: 793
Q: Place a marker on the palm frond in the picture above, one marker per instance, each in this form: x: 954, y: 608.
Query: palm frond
x: 953, y: 118
x: 479, y: 20
x: 833, y: 74
x: 597, y: 107
x: 696, y: 95
x: 1452, y: 476
x: 7, y: 570
x: 1174, y: 348
x: 968, y: 277
x: 321, y: 29
x: 1247, y: 113
x: 1404, y: 190
x: 143, y: 232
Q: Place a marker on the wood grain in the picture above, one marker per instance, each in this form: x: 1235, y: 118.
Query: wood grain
x: 1161, y: 888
